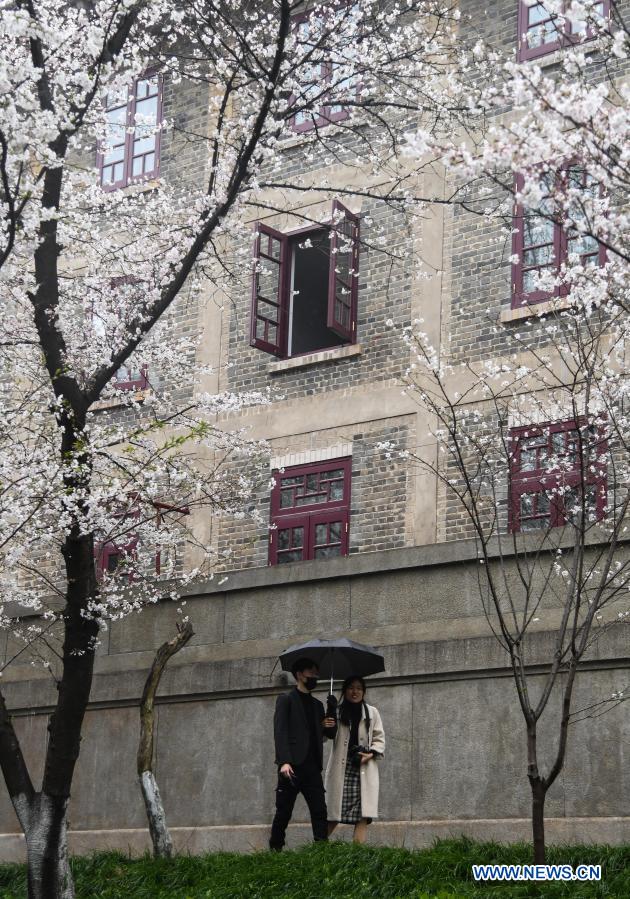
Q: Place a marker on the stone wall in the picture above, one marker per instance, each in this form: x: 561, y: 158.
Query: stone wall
x: 455, y: 760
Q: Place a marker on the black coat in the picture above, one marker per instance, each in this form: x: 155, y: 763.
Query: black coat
x: 291, y: 730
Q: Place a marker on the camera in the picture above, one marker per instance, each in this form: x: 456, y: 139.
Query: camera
x: 354, y: 755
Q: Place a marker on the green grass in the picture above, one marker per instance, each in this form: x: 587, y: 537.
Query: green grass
x: 333, y: 871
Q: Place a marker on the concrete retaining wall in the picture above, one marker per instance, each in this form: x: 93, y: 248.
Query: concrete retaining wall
x: 455, y: 760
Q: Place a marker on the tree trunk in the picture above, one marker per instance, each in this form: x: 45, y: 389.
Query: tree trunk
x: 160, y: 836
x: 539, y: 794
x: 49, y: 875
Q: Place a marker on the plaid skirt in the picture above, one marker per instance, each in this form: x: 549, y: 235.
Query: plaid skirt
x: 351, y: 799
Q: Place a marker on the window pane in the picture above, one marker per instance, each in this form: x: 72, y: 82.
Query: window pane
x: 583, y: 244
x: 144, y: 145
x: 293, y: 555
x: 540, y: 256
x: 146, y: 116
x: 116, y: 121
x: 533, y: 452
x: 343, y: 265
x: 283, y: 539
x: 309, y: 500
x: 267, y: 310
x: 327, y: 552
x: 116, y: 154
x: 311, y: 483
x: 336, y: 490
x: 298, y: 536
x: 540, y: 35
x: 536, y: 14
x: 534, y: 524
x: 269, y: 282
x: 530, y: 280
x: 335, y: 531
x: 273, y: 248
x: 527, y: 504
x: 537, y: 230
x: 342, y: 314
x: 146, y: 86
x: 113, y: 560
x: 321, y: 533
x: 286, y: 498
x: 334, y: 473
x: 137, y: 166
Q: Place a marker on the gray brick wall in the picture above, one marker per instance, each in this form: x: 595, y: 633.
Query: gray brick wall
x: 378, y: 507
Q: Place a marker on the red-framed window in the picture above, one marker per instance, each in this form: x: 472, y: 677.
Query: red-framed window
x: 310, y: 508
x: 312, y: 109
x: 552, y: 466
x: 162, y: 510
x: 542, y: 238
x: 119, y: 557
x: 130, y: 150
x: 305, y: 286
x: 541, y: 32
x: 129, y: 376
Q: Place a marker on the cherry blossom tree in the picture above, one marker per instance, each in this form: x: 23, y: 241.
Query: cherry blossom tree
x: 91, y: 278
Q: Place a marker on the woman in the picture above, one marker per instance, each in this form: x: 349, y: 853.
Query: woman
x: 352, y: 771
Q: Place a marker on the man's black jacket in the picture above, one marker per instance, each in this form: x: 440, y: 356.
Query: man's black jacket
x: 291, y: 730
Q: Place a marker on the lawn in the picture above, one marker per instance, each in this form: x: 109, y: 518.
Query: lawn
x: 333, y: 871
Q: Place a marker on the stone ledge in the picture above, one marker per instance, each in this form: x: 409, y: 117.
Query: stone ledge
x: 380, y: 561
x: 417, y: 834
x: 332, y: 355
x: 549, y: 307
x: 545, y: 61
x: 139, y: 396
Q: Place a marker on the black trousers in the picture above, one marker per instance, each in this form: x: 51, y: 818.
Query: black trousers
x: 306, y: 780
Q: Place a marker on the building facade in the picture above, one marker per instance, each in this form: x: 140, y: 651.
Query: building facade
x: 354, y: 537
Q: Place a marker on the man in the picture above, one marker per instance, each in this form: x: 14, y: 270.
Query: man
x: 300, y: 726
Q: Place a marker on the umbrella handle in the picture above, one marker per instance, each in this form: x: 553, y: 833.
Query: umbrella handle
x: 332, y: 656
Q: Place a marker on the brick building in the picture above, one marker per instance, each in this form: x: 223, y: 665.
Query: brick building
x: 349, y: 542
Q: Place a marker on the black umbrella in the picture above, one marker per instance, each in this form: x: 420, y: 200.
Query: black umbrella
x: 335, y: 658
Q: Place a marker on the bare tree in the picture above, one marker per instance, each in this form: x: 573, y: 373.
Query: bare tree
x: 534, y: 449
x: 160, y: 836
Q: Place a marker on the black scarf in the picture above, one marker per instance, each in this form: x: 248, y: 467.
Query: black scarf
x: 351, y: 713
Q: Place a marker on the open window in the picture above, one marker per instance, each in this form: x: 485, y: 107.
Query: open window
x: 305, y: 286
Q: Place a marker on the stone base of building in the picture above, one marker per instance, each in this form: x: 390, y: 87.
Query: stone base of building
x: 407, y: 834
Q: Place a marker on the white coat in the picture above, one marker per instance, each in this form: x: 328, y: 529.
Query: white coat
x: 336, y: 767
